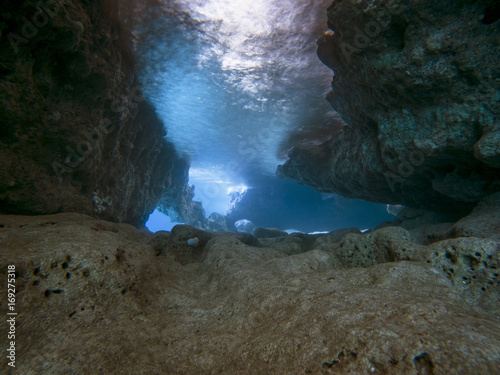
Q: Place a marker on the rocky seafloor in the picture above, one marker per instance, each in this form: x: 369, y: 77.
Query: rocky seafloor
x: 416, y: 296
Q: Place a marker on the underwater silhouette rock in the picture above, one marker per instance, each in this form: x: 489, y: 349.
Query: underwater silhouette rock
x: 261, y: 232
x: 217, y: 222
x: 87, y: 286
x: 75, y: 133
x: 334, y: 236
x: 394, y: 209
x: 415, y: 84
x: 244, y: 225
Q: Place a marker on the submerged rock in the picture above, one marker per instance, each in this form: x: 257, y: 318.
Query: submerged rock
x: 336, y: 303
x: 261, y: 232
x: 217, y: 222
x: 415, y: 84
x: 244, y: 225
x: 395, y: 209
x: 483, y: 222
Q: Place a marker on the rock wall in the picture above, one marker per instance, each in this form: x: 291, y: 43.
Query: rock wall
x: 94, y: 297
x: 75, y: 132
x: 417, y: 84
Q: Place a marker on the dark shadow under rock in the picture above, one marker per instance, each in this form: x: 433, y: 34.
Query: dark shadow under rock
x: 261, y: 232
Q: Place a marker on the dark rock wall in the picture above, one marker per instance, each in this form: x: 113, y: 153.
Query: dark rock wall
x: 75, y: 133
x: 417, y: 84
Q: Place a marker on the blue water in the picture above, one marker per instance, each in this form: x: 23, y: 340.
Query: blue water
x: 158, y: 221
x: 231, y: 80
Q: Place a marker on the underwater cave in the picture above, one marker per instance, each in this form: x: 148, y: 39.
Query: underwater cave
x: 250, y: 187
x: 237, y: 86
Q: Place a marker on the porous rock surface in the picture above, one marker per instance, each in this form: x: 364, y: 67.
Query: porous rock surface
x: 100, y: 297
x: 417, y: 84
x: 75, y: 132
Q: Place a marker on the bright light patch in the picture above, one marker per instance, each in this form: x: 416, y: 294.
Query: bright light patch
x: 158, y: 221
x: 240, y: 189
x: 235, y: 194
x: 212, y: 186
x: 231, y: 79
x: 253, y: 37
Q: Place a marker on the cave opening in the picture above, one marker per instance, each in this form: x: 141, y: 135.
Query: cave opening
x: 238, y: 84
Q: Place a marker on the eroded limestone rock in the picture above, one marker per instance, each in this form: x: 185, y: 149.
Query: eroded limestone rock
x: 103, y: 297
x: 415, y: 83
x: 75, y: 133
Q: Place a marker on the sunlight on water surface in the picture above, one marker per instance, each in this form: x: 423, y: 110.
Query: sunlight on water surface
x: 231, y: 79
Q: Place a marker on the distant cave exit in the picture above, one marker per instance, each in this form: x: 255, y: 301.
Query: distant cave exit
x: 237, y: 84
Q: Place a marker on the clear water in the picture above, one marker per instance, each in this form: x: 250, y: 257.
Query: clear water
x: 158, y: 221
x: 231, y: 79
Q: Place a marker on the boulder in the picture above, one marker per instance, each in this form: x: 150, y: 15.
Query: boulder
x: 244, y: 225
